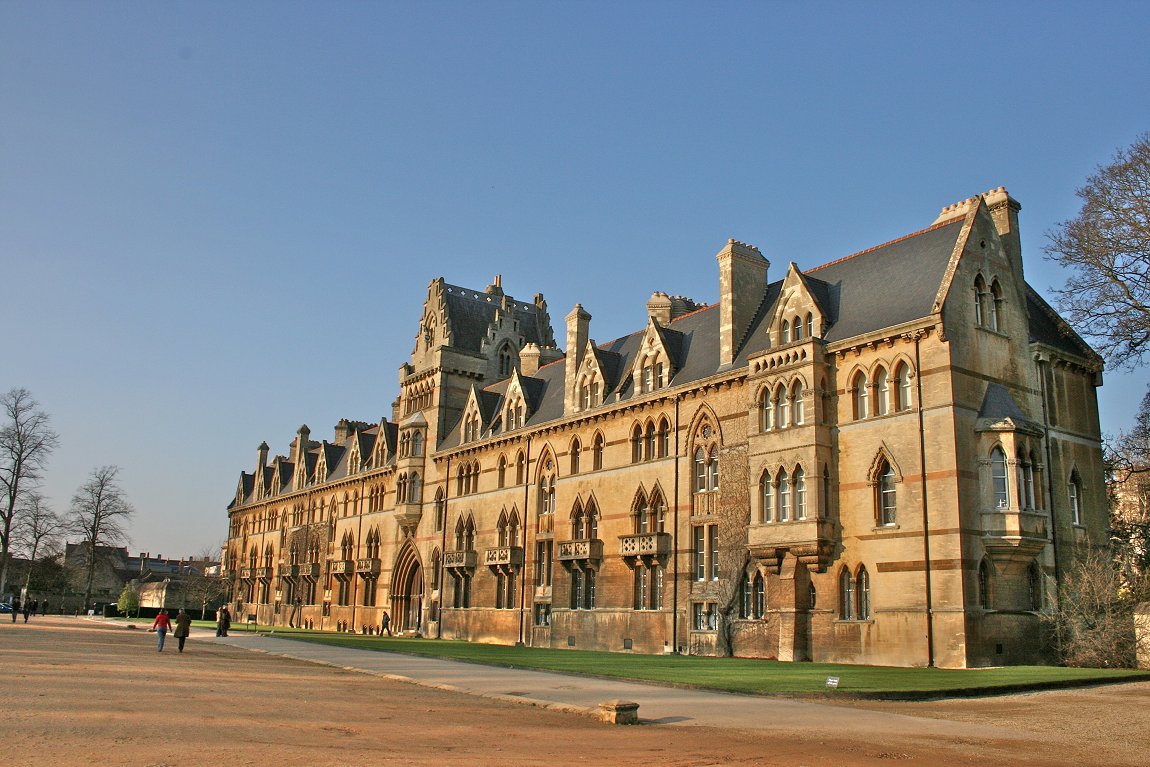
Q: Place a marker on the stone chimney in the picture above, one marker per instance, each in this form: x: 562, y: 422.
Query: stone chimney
x: 578, y: 324
x: 342, y: 431
x: 261, y: 461
x: 659, y: 307
x: 529, y: 359
x: 742, y: 284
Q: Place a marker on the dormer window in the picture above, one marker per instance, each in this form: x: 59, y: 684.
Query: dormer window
x: 798, y: 328
x: 786, y: 334
x: 506, y: 360
x: 589, y: 391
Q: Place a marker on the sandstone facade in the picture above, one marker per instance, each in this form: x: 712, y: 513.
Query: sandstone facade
x: 888, y: 459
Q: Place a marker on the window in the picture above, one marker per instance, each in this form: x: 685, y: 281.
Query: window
x: 882, y: 392
x: 859, y: 391
x: 649, y: 442
x: 501, y: 471
x: 462, y: 593
x: 902, y: 387
x: 706, y: 618
x: 999, y: 479
x: 886, y: 494
x: 786, y: 331
x: 542, y: 614
x: 576, y: 450
x: 798, y: 328
x: 637, y: 444
x: 984, y: 585
x: 996, y: 317
x: 797, y: 414
x: 766, y: 498
x: 582, y: 589
x: 506, y: 360
x: 544, y: 557
x: 713, y: 468
x: 799, y: 481
x: 700, y: 553
x: 810, y: 325
x: 417, y: 442
x: 597, y: 452
x: 1025, y: 481
x: 700, y: 471
x: 979, y: 301
x: 1075, y: 490
x: 746, y: 596
x: 759, y: 603
x: 664, y: 442
x: 713, y: 546
x: 862, y: 587
x: 648, y: 588
x: 766, y: 410
x: 780, y: 404
x: 436, y: 561
x: 812, y: 597
x: 846, y: 595
x: 520, y: 468
x: 784, y: 496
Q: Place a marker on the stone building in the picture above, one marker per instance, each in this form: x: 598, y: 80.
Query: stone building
x: 886, y: 459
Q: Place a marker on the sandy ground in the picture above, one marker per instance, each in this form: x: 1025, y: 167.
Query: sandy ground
x: 80, y: 693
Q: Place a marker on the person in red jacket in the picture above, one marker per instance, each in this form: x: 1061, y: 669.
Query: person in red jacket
x: 161, y: 626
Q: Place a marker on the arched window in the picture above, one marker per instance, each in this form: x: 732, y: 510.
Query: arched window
x: 642, y: 514
x: 984, y: 585
x: 576, y: 449
x: 766, y: 497
x: 1025, y: 481
x: 1074, y: 487
x: 825, y: 497
x: 713, y: 468
x: 766, y: 410
x: 999, y: 479
x: 501, y: 471
x: 812, y: 596
x: 461, y: 479
x: 592, y: 520
x: 436, y: 570
x: 846, y: 595
x: 664, y: 448
x: 798, y: 328
x: 979, y: 301
x: 780, y: 402
x: 786, y: 331
x: 887, y: 498
x: 810, y: 325
x: 459, y: 534
x: 414, y: 491
x: 799, y: 482
x: 657, y: 508
x: 578, y: 523
x: 501, y: 529
x: 996, y: 319
x: 745, y: 608
x: 882, y: 392
x: 700, y: 470
x: 784, y: 486
x: 649, y: 442
x: 520, y: 468
x: 636, y: 444
x: 860, y: 395
x: 902, y: 387
x: 759, y: 605
x: 440, y: 510
x: 862, y: 587
x: 417, y: 442
x: 597, y: 452
x: 506, y: 360
x: 547, y: 495
x: 797, y: 408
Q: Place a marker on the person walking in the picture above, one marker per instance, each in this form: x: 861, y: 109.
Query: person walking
x: 15, y: 608
x: 223, y: 621
x: 386, y: 620
x: 44, y: 607
x: 26, y: 606
x: 183, y: 628
x: 35, y: 606
x: 161, y: 626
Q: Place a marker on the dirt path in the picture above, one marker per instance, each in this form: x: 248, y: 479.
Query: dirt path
x: 88, y: 693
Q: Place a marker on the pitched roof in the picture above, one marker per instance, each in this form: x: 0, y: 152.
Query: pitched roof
x: 470, y: 313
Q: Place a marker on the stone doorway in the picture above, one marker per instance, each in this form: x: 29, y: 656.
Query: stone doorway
x: 407, y: 592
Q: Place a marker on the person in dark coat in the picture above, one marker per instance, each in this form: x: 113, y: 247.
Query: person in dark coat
x: 223, y: 621
x: 15, y: 608
x: 183, y: 628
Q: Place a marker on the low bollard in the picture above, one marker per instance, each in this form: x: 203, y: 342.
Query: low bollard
x: 619, y: 712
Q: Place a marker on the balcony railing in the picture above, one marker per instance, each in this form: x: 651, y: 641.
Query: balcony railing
x: 811, y: 541
x: 503, y: 555
x: 309, y: 570
x: 465, y: 559
x: 368, y: 566
x: 247, y: 573
x: 265, y: 573
x: 586, y: 548
x: 645, y: 545
x: 289, y: 571
x: 342, y: 566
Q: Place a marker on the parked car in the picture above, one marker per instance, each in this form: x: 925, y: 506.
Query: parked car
x: 5, y: 607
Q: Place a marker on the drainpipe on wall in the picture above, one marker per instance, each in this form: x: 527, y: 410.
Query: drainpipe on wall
x: 523, y: 569
x: 925, y: 506
x: 1049, y: 470
x: 675, y: 542
x: 442, y: 574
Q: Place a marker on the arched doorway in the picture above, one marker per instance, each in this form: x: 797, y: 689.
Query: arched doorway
x: 407, y: 590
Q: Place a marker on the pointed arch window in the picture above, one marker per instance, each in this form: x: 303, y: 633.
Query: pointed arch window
x: 979, y: 301
x: 984, y: 585
x: 1074, y: 488
x: 825, y: 496
x: 902, y: 387
x: 996, y: 318
x: 700, y: 470
x: 1025, y: 481
x: 576, y: 451
x: 713, y: 468
x: 780, y: 403
x: 440, y: 510
x: 862, y: 587
x: 649, y: 443
x: 799, y: 483
x: 846, y: 595
x: 766, y: 497
x: 506, y: 360
x: 882, y: 392
x: 664, y: 439
x: 860, y: 396
x: 999, y: 479
x: 887, y: 496
x: 520, y: 468
x: 501, y: 471
x: 636, y: 444
x: 810, y: 325
x: 766, y: 410
x: 597, y: 452
x: 786, y: 331
x: 797, y: 408
x: 783, y: 483
x: 798, y: 328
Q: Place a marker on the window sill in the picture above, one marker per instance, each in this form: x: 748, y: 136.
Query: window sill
x: 854, y: 621
x: 885, y: 528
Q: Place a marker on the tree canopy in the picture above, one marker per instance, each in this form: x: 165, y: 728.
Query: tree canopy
x: 1106, y: 248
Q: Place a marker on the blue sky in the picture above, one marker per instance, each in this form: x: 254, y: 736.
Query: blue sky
x: 218, y: 220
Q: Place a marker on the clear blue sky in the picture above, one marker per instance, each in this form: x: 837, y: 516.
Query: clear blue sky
x: 218, y: 220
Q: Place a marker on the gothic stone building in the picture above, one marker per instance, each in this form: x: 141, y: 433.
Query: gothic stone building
x: 887, y: 459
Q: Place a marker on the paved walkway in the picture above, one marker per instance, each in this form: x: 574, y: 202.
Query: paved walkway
x: 657, y: 704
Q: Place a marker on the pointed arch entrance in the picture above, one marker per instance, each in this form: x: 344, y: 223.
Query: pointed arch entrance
x: 407, y: 590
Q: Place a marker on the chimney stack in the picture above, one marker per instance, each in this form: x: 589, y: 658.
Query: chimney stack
x: 659, y: 307
x: 742, y: 284
x: 578, y: 324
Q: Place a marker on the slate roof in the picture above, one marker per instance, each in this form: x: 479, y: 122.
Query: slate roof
x: 470, y: 313
x: 1048, y: 328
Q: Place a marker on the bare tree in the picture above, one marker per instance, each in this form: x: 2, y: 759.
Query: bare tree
x: 1106, y: 247
x: 37, y: 528
x: 99, y: 512
x: 26, y: 442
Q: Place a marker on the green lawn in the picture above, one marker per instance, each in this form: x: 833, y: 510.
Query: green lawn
x: 740, y: 675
